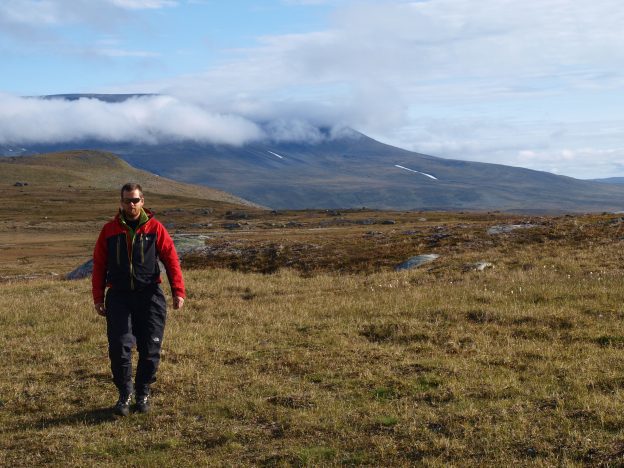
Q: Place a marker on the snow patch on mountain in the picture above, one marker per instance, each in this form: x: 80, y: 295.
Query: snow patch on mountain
x: 417, y: 172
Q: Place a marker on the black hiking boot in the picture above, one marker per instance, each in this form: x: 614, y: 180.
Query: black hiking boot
x: 142, y: 404
x: 122, y: 407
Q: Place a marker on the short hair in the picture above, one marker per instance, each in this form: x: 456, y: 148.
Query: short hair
x: 131, y: 187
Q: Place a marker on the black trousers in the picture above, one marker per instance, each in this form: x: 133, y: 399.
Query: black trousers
x: 135, y: 317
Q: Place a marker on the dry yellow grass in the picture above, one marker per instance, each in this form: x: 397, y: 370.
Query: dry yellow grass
x: 89, y: 169
x: 520, y: 364
x: 334, y: 359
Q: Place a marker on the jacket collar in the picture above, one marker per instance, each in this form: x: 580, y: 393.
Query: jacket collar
x: 144, y: 217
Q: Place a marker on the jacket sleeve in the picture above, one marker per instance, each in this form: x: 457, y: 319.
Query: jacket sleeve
x: 98, y: 278
x: 169, y: 257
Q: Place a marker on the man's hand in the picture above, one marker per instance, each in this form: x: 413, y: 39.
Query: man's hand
x: 100, y: 309
x: 178, y: 302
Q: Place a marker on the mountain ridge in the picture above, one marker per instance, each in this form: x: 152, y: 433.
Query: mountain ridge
x: 610, y: 180
x: 352, y: 170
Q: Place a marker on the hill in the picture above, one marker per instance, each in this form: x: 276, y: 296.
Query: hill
x: 346, y: 169
x: 610, y: 180
x: 98, y: 170
x: 353, y: 170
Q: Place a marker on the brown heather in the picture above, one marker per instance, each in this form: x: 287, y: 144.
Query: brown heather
x: 333, y: 358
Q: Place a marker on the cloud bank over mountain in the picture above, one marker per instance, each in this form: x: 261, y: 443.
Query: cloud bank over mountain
x: 146, y: 119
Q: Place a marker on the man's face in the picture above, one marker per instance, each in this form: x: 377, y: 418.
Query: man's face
x: 131, y: 204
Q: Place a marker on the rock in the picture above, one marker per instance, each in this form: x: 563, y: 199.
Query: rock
x: 504, y: 228
x: 203, y: 211
x: 20, y: 184
x: 479, y: 266
x: 232, y: 215
x: 365, y: 222
x: 172, y: 211
x: 435, y: 238
x: 388, y: 221
x: 335, y: 222
x: 83, y: 271
x: 416, y: 261
x: 185, y: 243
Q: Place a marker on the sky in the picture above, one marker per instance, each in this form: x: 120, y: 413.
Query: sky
x: 530, y: 83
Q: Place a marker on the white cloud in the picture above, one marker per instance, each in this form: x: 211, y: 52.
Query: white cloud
x: 294, y: 130
x: 54, y: 12
x: 49, y: 13
x: 26, y: 21
x: 579, y: 149
x: 146, y: 119
x: 30, y: 12
x: 387, y: 58
x: 586, y: 163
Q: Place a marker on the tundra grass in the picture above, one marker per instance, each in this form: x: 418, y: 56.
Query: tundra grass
x: 441, y: 366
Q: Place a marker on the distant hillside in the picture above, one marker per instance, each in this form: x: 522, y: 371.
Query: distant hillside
x: 610, y: 180
x: 351, y: 170
x: 355, y: 171
x: 97, y: 170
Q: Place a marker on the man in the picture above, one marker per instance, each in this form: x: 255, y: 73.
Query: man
x: 125, y: 260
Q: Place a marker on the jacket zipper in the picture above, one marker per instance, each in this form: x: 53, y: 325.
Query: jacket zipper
x: 131, y: 253
x: 131, y: 266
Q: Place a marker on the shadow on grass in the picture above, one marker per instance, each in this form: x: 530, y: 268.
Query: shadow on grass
x: 88, y: 417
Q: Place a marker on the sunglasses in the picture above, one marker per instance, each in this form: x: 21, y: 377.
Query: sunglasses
x: 127, y: 201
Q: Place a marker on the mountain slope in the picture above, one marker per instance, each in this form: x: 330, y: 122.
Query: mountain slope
x: 351, y: 170
x: 356, y: 171
x: 610, y: 180
x: 97, y: 170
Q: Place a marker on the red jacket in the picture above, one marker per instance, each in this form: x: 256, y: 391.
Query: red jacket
x: 127, y: 260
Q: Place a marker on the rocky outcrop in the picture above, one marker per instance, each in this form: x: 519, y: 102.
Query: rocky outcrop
x: 416, y: 261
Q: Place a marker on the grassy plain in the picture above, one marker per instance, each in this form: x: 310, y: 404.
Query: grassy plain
x: 333, y: 358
